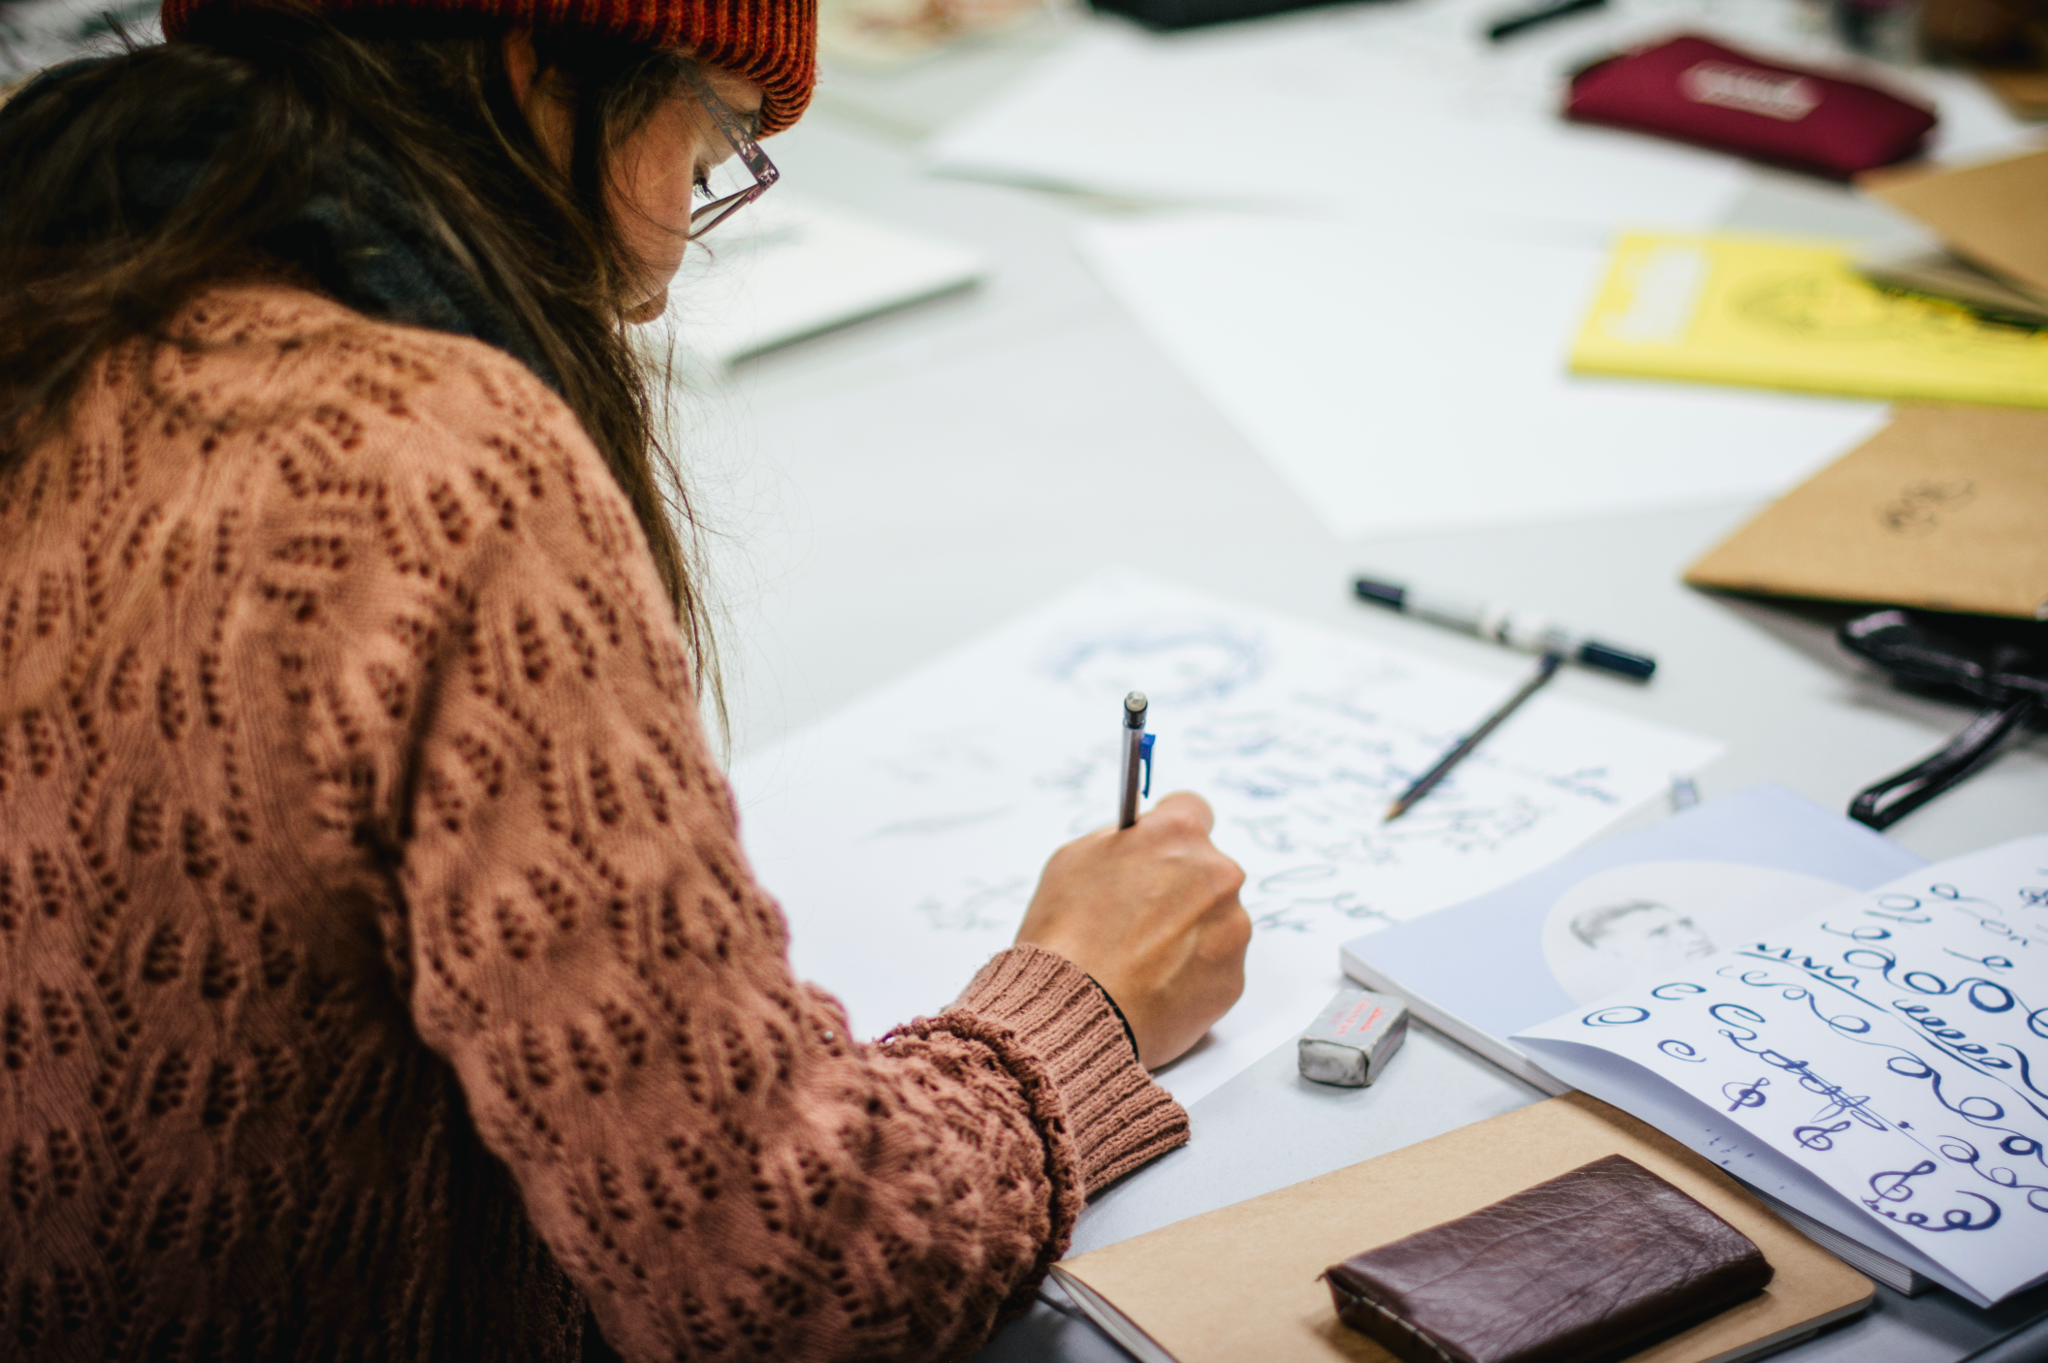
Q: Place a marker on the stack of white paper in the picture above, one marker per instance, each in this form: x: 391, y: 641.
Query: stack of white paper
x: 905, y: 836
x: 1322, y: 118
x: 1396, y: 111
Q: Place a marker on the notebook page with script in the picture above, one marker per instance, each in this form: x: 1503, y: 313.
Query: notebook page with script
x: 903, y: 837
x: 1879, y: 1065
x: 1621, y: 912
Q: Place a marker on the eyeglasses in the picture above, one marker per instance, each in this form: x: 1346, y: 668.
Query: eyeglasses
x: 745, y: 148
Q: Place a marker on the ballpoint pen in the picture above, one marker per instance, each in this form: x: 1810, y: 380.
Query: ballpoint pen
x: 1545, y: 670
x: 1137, y: 749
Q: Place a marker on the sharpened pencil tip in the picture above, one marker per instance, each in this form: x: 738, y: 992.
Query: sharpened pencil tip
x: 1395, y: 811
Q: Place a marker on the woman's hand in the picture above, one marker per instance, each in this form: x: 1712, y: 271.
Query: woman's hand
x: 1151, y: 912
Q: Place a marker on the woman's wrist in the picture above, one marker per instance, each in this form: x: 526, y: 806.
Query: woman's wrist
x: 1116, y: 1115
x: 1110, y: 999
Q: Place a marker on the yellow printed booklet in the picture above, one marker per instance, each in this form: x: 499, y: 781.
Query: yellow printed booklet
x: 1788, y: 313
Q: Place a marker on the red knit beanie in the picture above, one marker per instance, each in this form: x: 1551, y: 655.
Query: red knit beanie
x: 773, y: 43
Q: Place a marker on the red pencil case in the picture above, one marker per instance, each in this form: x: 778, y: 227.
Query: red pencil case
x: 1694, y: 90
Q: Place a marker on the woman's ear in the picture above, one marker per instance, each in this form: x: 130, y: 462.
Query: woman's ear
x: 535, y: 95
x: 522, y: 64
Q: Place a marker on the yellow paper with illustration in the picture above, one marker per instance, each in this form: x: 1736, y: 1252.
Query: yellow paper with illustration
x: 1779, y: 313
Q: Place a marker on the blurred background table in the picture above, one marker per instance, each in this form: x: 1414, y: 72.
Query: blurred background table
x: 878, y: 496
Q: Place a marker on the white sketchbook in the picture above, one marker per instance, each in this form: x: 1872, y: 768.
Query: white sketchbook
x: 785, y: 268
x: 1403, y: 380
x: 1879, y: 1065
x: 904, y: 836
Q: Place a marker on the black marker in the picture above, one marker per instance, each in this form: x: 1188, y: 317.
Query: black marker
x: 1516, y: 629
x: 1520, y: 23
x: 1137, y: 747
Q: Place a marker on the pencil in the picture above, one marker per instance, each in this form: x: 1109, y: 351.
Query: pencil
x: 1545, y: 670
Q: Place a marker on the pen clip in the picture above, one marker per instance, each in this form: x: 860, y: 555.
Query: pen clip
x: 1145, y: 756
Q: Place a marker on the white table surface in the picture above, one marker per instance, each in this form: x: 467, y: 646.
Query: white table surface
x: 876, y: 497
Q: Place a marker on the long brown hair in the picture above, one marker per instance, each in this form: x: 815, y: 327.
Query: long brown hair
x: 284, y: 96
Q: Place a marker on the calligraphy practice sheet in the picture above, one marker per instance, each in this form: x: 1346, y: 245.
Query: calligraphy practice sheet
x: 904, y: 836
x: 1882, y: 1065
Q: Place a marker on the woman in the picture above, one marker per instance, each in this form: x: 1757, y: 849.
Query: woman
x: 380, y: 973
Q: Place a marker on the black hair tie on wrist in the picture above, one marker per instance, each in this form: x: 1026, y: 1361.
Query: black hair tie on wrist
x: 1129, y: 1035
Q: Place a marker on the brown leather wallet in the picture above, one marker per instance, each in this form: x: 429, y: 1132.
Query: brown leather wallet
x: 1595, y: 1264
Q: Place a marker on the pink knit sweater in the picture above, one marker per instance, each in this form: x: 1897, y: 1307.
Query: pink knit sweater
x: 380, y: 973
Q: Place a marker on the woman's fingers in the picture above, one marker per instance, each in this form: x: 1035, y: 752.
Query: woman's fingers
x: 1183, y: 804
x: 1152, y: 912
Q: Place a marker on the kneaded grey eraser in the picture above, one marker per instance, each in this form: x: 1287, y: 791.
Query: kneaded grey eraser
x: 1350, y: 1040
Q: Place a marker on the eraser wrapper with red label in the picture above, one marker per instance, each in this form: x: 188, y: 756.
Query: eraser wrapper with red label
x: 1352, y: 1038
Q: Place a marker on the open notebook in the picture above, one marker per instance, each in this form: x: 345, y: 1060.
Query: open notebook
x: 1878, y: 1064
x: 1873, y: 1062
x: 1618, y: 912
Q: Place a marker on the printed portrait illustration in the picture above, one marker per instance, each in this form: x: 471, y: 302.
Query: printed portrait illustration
x: 1622, y: 926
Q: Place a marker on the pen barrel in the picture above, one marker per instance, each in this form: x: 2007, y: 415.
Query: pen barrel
x: 1525, y: 630
x: 1520, y: 629
x: 1127, y: 808
x: 1457, y: 612
x: 1528, y: 631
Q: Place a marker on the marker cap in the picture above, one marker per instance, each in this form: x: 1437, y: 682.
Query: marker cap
x: 1608, y: 658
x: 1390, y: 594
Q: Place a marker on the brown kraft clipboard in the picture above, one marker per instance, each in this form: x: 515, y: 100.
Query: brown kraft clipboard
x: 1993, y: 213
x: 1241, y: 1282
x: 1942, y: 509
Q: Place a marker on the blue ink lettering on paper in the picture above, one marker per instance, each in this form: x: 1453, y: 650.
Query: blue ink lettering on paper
x: 1740, y: 1095
x: 1819, y: 1137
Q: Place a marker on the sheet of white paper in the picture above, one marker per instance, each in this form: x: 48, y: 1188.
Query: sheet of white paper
x: 786, y: 267
x: 1403, y: 380
x: 1891, y: 1047
x: 1397, y: 112
x: 904, y: 836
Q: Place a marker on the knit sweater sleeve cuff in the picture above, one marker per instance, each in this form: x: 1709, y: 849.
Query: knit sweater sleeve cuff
x: 1117, y: 1118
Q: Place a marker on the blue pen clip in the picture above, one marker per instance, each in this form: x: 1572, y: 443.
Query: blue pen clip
x: 1145, y: 756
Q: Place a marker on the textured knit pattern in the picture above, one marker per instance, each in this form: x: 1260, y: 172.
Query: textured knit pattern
x: 771, y: 42
x: 380, y: 973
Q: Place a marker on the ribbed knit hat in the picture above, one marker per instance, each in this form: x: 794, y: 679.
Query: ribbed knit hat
x: 771, y: 42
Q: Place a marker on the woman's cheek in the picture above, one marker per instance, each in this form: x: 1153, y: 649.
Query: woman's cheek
x: 656, y: 195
